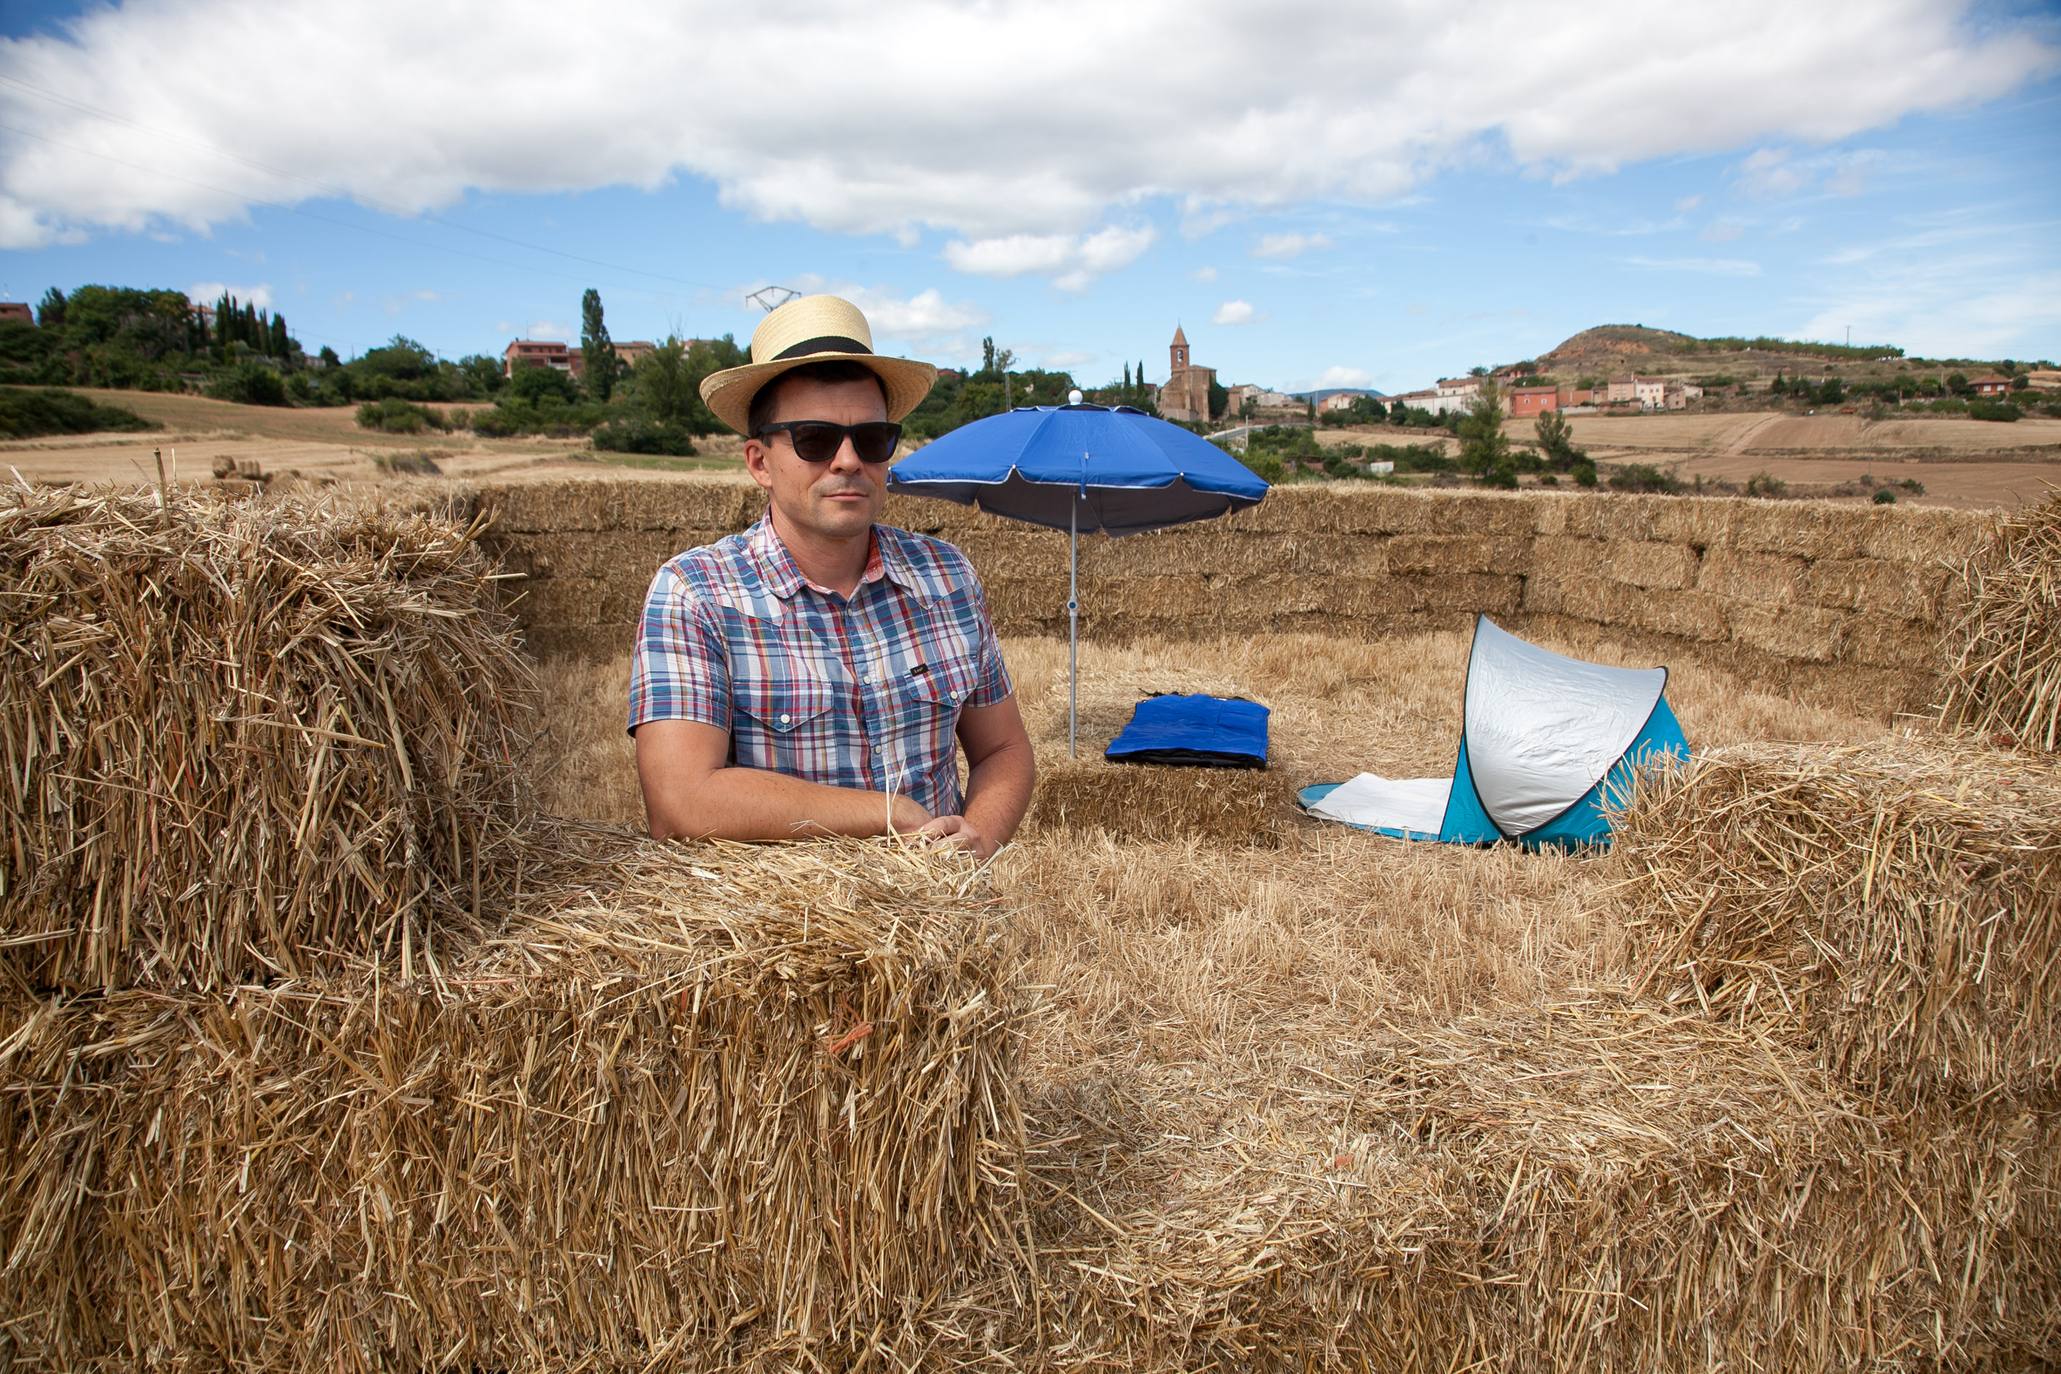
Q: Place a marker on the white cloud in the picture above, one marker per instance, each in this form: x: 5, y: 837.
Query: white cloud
x: 1072, y: 260
x: 1205, y: 274
x: 1775, y: 173
x: 550, y: 330
x: 1723, y: 230
x: 208, y: 292
x: 1687, y: 203
x: 1966, y: 282
x: 1013, y: 255
x: 1288, y: 245
x: 1233, y: 312
x: 1946, y: 310
x: 1715, y: 267
x: 943, y: 125
x: 425, y: 294
x: 1343, y: 376
x: 925, y: 321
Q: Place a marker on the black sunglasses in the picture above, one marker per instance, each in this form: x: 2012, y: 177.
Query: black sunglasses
x: 817, y: 441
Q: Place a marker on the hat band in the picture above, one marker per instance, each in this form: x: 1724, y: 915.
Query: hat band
x: 822, y: 343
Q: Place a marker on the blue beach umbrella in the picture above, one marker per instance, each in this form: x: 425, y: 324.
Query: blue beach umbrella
x: 1080, y: 468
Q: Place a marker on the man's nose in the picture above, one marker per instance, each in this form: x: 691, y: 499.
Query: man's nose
x: 846, y: 459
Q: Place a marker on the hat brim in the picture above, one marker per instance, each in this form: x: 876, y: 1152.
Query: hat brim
x: 729, y: 393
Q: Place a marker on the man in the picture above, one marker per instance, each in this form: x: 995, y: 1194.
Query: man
x: 811, y: 675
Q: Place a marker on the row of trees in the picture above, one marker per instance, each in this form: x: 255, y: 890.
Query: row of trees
x: 117, y: 336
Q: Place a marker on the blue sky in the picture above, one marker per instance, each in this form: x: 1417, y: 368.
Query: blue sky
x: 1377, y: 197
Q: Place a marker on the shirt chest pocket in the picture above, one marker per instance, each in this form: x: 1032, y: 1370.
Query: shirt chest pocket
x: 785, y: 724
x: 943, y: 685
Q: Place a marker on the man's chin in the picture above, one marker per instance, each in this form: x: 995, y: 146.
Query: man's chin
x: 854, y: 512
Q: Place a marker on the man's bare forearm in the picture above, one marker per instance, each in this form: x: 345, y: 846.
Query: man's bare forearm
x: 998, y: 791
x: 756, y: 804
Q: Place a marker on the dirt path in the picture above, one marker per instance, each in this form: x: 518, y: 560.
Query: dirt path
x: 1743, y: 440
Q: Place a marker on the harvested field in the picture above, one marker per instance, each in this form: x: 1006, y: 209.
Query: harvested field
x: 1183, y: 1081
x: 307, y: 444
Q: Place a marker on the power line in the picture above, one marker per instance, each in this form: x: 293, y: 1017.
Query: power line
x: 771, y: 298
x: 325, y: 188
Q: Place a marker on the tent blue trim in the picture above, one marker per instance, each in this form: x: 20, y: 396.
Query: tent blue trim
x: 1588, y: 820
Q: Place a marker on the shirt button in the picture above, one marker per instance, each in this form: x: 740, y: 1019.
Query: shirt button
x: 784, y: 718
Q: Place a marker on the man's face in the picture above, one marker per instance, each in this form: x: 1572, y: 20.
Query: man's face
x: 837, y: 500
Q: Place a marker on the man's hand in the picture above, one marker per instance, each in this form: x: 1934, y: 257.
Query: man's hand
x: 905, y: 814
x: 961, y: 833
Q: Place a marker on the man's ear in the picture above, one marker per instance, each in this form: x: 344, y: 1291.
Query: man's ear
x: 755, y: 463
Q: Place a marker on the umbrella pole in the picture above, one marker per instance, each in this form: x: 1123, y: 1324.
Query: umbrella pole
x: 1073, y: 626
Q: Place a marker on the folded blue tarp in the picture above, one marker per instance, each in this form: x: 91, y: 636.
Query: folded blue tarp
x: 1194, y: 731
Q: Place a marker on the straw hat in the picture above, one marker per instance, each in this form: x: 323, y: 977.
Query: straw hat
x: 813, y: 329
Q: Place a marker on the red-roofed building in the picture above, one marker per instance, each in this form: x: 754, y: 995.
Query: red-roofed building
x: 538, y: 353
x: 1532, y: 400
x: 17, y: 310
x: 1992, y: 386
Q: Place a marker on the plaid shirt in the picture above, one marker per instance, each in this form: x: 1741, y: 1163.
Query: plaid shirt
x: 858, y: 692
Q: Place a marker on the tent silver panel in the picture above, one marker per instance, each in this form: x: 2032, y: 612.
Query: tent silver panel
x: 1542, y: 728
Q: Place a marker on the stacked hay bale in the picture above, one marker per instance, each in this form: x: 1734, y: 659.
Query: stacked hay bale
x: 1891, y: 915
x: 243, y: 740
x: 2004, y: 678
x: 456, y: 1089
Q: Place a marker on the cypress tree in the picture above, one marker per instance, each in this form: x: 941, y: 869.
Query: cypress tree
x: 598, y: 359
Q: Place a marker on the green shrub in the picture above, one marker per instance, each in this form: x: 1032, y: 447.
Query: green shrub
x: 1585, y: 472
x: 1885, y: 497
x: 550, y: 416
x: 1265, y: 465
x: 396, y: 416
x: 251, y: 384
x: 1766, y: 484
x: 27, y: 414
x: 1993, y: 410
x: 1644, y: 477
x: 641, y: 434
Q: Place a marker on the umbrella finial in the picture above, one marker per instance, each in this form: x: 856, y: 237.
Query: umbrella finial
x: 1073, y: 398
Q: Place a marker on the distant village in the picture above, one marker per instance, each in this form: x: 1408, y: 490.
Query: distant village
x: 1186, y: 394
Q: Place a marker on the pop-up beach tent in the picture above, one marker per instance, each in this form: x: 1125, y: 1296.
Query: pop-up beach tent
x: 1547, y: 742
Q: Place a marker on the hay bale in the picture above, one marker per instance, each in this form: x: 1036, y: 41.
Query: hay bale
x: 1154, y: 803
x: 1649, y: 1190
x: 1267, y: 1239
x: 712, y: 1096
x: 240, y: 740
x: 1894, y: 906
x: 2004, y: 677
x: 1588, y: 1185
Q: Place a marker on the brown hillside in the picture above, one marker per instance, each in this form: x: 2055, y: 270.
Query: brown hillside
x: 1619, y: 347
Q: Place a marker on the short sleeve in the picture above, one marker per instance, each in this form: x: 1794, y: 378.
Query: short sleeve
x: 681, y: 670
